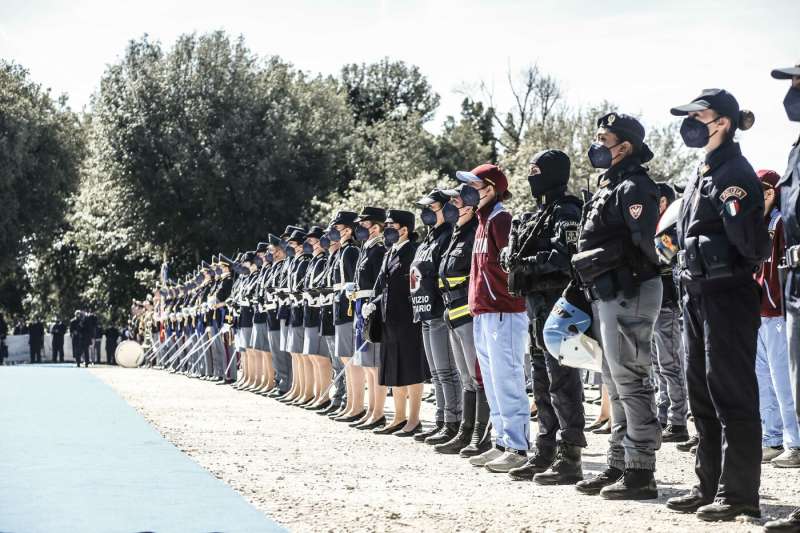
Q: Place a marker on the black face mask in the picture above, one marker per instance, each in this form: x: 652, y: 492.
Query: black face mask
x: 428, y: 216
x: 600, y: 155
x: 268, y: 257
x: 791, y: 103
x: 334, y: 235
x: 390, y: 237
x: 695, y: 133
x: 450, y: 213
x: 361, y: 233
x: 307, y: 248
x: 470, y: 196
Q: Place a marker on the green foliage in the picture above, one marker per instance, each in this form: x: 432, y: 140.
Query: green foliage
x: 205, y: 147
x: 388, y: 90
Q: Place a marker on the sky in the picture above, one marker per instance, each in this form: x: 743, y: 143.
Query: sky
x: 644, y: 56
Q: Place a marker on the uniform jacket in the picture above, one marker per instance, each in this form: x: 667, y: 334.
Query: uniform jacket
x: 344, y: 271
x: 488, y: 284
x: 454, y: 273
x: 426, y: 298
x: 790, y: 213
x: 392, y: 290
x: 726, y: 202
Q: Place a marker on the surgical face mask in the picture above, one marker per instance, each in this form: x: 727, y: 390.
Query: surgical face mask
x: 289, y: 251
x: 600, y: 155
x: 450, y: 213
x: 259, y: 262
x: 334, y: 235
x: 324, y: 242
x: 791, y: 103
x: 470, y: 196
x: 308, y: 248
x: 361, y: 233
x: 269, y: 257
x: 695, y: 132
x: 390, y: 236
x: 428, y: 216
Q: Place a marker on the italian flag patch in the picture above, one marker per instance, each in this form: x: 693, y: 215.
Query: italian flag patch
x: 732, y: 207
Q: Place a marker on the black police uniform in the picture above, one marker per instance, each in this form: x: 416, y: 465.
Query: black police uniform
x: 723, y: 238
x: 618, y: 266
x: 546, y: 243
x: 75, y: 337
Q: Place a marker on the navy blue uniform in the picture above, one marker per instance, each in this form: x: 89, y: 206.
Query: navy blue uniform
x: 723, y: 237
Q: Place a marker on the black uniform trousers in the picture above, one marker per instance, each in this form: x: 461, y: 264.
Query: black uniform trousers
x: 36, y: 351
x: 557, y: 389
x: 720, y: 334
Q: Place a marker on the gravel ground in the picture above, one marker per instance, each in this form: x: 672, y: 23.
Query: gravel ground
x: 311, y: 474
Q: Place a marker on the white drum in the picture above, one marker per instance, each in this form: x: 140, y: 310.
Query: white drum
x: 129, y: 354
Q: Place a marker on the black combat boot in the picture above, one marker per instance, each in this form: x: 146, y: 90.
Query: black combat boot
x: 635, y: 484
x: 464, y: 435
x: 420, y: 437
x: 595, y: 484
x: 539, y: 462
x: 566, y: 470
x: 448, y: 431
x: 482, y: 434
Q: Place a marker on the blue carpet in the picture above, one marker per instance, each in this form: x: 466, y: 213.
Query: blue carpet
x: 75, y: 457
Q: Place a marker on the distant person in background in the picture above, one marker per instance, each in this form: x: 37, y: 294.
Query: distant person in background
x: 98, y: 339
x: 75, y: 336
x: 36, y: 340
x: 112, y: 334
x: 3, y: 335
x: 58, y: 330
x: 88, y: 325
x: 20, y: 327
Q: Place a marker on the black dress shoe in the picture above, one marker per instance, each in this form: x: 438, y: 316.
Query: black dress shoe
x: 353, y: 418
x: 388, y: 430
x: 596, y: 425
x: 688, y: 503
x: 720, y: 511
x: 320, y: 406
x: 372, y: 425
x: 331, y: 408
x: 790, y: 524
x: 595, y: 484
x: 635, y: 484
x: 421, y: 436
x: 411, y: 433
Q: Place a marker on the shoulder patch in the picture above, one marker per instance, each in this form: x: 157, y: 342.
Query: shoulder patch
x: 732, y: 192
x: 635, y: 210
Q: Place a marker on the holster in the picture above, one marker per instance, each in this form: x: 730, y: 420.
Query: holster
x: 707, y: 256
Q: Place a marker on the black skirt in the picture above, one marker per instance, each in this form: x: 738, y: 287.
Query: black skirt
x: 403, y: 356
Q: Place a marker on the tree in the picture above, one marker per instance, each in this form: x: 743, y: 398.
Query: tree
x: 388, y: 90
x: 41, y: 148
x: 215, y: 147
x: 467, y: 143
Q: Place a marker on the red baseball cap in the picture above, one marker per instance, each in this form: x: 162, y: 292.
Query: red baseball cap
x: 768, y: 178
x: 490, y: 174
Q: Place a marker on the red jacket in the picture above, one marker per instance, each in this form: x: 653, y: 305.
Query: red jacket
x: 767, y: 276
x: 488, y: 283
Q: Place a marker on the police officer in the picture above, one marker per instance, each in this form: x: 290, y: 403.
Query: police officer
x: 618, y: 267
x: 428, y: 308
x: 36, y: 340
x: 790, y: 210
x: 369, y: 230
x: 315, y: 349
x: 667, y: 349
x: 277, y: 315
x: 474, y: 434
x: 538, y: 262
x: 301, y: 365
x: 342, y: 271
x: 723, y: 238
